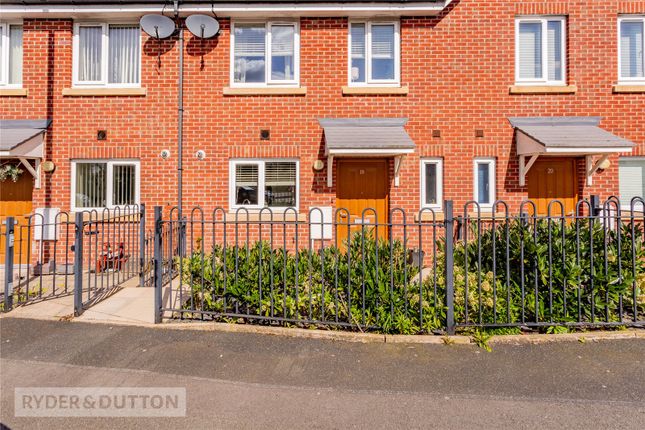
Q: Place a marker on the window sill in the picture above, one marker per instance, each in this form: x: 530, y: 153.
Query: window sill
x: 13, y: 92
x: 543, y: 89
x: 265, y: 217
x: 103, y: 92
x: 265, y: 91
x: 627, y: 88
x: 366, y: 91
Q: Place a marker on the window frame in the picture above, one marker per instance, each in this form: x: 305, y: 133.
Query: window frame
x: 110, y: 163
x: 439, y: 185
x: 5, y: 44
x: 492, y: 186
x: 543, y: 20
x: 261, y: 163
x: 105, y: 49
x: 629, y: 80
x: 396, y: 82
x: 268, y: 82
x: 626, y: 205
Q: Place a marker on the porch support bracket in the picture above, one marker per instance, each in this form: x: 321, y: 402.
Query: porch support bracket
x: 397, y: 168
x: 330, y: 171
x: 35, y: 172
x: 525, y: 167
x: 592, y: 167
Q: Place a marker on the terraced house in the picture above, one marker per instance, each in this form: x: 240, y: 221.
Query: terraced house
x: 322, y: 104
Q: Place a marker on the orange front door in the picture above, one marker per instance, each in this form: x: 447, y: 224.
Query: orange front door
x: 361, y: 185
x: 553, y: 179
x: 15, y: 201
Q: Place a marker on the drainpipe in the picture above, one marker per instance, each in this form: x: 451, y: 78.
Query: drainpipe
x: 180, y: 127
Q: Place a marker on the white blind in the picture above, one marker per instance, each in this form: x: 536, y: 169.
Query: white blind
x: 91, y: 185
x: 383, y: 41
x: 554, y: 50
x: 249, y: 40
x: 123, y: 185
x: 15, y: 54
x: 2, y: 48
x: 631, y: 177
x: 89, y: 53
x: 246, y: 175
x: 282, y: 42
x: 123, y: 60
x: 530, y: 50
x: 282, y: 173
x: 631, y: 49
x: 357, y: 32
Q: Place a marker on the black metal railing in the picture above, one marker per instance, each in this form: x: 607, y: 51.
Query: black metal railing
x: 422, y: 273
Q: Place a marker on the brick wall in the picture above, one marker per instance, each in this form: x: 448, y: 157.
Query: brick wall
x: 458, y: 67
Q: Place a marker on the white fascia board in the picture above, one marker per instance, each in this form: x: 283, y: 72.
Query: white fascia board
x: 588, y: 150
x: 369, y: 152
x: 232, y: 10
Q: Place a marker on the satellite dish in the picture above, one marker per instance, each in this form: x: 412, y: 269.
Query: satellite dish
x: 157, y: 26
x: 202, y: 26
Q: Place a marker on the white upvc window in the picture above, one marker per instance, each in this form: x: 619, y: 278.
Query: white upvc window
x: 10, y: 55
x: 540, y: 50
x: 105, y: 183
x: 264, y: 183
x: 265, y: 54
x: 374, y: 53
x: 631, y: 180
x: 484, y: 182
x: 107, y: 55
x: 631, y: 52
x: 431, y: 183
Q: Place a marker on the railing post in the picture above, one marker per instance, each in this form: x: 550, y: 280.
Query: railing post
x: 8, y: 264
x: 158, y: 264
x: 78, y: 264
x: 450, y: 267
x: 142, y: 246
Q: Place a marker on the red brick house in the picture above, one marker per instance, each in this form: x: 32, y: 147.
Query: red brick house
x: 306, y: 104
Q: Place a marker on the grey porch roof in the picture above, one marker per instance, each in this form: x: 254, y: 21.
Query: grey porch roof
x: 368, y: 136
x: 566, y: 135
x: 15, y: 132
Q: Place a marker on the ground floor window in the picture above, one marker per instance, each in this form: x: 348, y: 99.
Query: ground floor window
x: 104, y: 184
x: 631, y: 177
x: 431, y: 183
x: 256, y: 184
x: 484, y: 181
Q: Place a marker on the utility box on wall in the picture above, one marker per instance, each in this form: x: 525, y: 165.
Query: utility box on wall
x: 320, y: 222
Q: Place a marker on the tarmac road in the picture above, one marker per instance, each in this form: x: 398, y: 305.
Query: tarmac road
x: 239, y: 380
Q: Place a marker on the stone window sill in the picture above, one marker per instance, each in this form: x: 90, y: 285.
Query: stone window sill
x: 626, y: 88
x: 366, y: 91
x: 13, y: 92
x: 543, y: 89
x: 265, y: 91
x: 254, y: 217
x: 103, y: 92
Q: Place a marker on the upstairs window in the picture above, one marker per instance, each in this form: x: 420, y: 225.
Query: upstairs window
x: 256, y: 184
x: 265, y: 54
x: 630, y: 51
x: 540, y: 50
x: 104, y: 184
x: 10, y: 55
x: 107, y: 55
x: 374, y: 51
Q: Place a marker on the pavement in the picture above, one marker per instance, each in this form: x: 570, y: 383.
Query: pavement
x: 249, y: 380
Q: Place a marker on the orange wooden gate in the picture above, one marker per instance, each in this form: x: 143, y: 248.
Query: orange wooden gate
x: 550, y: 179
x: 15, y: 201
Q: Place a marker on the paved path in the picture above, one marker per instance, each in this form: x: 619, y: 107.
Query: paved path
x: 236, y: 380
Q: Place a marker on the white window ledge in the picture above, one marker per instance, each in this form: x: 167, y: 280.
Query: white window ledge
x: 13, y: 92
x: 629, y: 88
x: 242, y: 216
x: 265, y: 91
x: 85, y: 92
x: 543, y: 89
x: 375, y: 90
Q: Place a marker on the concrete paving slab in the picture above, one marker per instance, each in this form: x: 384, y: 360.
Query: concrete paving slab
x: 51, y: 309
x: 128, y: 305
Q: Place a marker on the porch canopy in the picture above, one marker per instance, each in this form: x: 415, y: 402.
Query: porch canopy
x: 565, y: 136
x: 366, y: 137
x: 23, y: 139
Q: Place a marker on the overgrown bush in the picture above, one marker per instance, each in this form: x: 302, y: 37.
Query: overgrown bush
x: 372, y: 284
